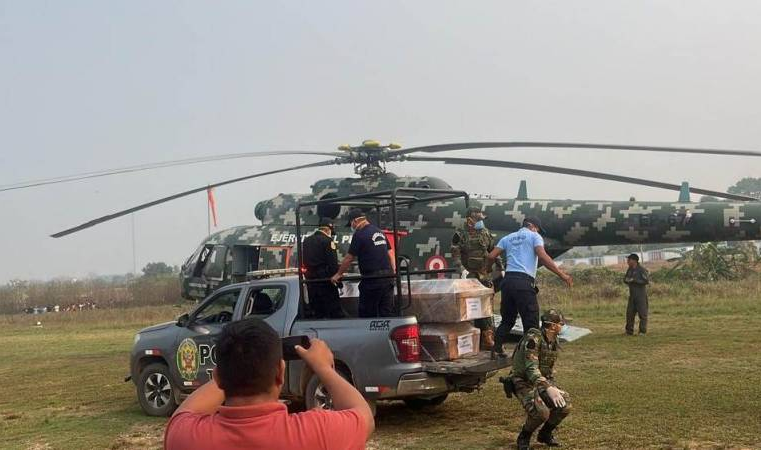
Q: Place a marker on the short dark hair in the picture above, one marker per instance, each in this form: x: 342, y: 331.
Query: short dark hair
x: 248, y: 357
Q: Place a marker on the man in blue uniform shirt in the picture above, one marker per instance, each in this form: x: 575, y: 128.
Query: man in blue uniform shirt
x: 375, y: 258
x: 523, y: 250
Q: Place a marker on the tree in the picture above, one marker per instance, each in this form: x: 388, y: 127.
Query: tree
x: 156, y: 269
x: 747, y: 186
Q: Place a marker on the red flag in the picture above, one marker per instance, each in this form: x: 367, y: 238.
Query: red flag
x: 212, y: 204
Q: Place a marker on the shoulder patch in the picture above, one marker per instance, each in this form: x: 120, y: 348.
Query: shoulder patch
x: 333, y: 245
x: 531, y: 344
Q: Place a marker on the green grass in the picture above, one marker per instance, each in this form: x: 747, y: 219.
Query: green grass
x: 691, y: 383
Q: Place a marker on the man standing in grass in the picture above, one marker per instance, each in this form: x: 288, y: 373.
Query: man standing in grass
x: 637, y: 279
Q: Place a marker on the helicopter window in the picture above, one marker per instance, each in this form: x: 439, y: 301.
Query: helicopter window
x: 330, y: 210
x: 203, y: 256
x: 219, y: 309
x: 215, y: 263
x: 264, y: 302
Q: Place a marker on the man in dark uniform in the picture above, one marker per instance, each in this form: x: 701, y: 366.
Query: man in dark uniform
x: 532, y: 380
x: 470, y: 247
x: 321, y: 261
x: 637, y: 279
x: 375, y: 258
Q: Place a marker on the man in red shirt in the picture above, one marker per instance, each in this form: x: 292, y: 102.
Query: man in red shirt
x: 239, y: 408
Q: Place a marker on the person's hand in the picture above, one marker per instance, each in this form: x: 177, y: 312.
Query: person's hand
x: 556, y: 396
x: 567, y: 279
x: 318, y: 357
x: 335, y: 279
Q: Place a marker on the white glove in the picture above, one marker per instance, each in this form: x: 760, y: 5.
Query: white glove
x: 556, y: 395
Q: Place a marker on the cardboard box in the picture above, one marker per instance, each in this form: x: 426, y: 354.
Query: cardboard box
x: 439, y: 300
x: 445, y: 342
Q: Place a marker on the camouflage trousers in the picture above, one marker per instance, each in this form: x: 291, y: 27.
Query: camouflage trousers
x: 537, y: 411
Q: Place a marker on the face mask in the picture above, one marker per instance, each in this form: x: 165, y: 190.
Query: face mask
x: 479, y: 225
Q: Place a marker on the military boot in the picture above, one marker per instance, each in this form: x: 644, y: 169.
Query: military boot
x: 545, y: 436
x: 498, y: 349
x: 524, y: 440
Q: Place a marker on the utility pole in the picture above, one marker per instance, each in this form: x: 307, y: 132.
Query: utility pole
x: 208, y: 212
x: 134, y: 257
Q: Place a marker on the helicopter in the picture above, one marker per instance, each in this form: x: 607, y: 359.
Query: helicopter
x: 426, y: 229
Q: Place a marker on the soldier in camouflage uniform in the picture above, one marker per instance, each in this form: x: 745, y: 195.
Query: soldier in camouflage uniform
x: 470, y: 246
x: 637, y: 279
x: 532, y: 380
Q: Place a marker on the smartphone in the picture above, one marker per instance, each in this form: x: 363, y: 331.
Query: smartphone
x: 289, y: 344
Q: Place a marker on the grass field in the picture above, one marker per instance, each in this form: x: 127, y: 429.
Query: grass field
x: 692, y: 383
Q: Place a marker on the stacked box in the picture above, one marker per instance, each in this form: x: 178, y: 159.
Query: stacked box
x: 448, y: 341
x: 439, y: 301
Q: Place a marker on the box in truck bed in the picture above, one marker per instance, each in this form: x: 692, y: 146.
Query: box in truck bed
x: 438, y: 301
x: 448, y: 341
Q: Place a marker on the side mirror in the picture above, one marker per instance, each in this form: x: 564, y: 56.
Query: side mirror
x: 183, y: 320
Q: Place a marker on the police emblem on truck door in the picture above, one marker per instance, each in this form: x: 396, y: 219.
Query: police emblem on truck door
x: 187, y: 359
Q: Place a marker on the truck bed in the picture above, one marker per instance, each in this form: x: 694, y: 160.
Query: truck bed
x: 472, y: 365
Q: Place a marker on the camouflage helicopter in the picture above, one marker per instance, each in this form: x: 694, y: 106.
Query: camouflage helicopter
x: 426, y: 230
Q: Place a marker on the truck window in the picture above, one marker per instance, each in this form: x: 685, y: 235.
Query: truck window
x: 219, y: 309
x: 263, y: 302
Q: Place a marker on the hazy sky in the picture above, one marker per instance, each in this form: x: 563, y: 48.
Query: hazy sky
x: 91, y: 85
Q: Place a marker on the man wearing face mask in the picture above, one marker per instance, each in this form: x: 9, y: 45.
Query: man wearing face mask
x: 470, y: 247
x: 532, y: 380
x: 321, y: 261
x: 376, y: 260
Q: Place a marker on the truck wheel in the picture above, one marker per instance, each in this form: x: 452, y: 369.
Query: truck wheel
x: 420, y: 403
x: 317, y: 395
x: 155, y: 392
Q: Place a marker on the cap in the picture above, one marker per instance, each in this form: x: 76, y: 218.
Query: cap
x: 633, y: 256
x: 353, y: 214
x: 475, y: 210
x: 534, y: 221
x: 325, y: 222
x: 553, y: 316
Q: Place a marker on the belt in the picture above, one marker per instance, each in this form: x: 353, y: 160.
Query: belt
x: 519, y: 275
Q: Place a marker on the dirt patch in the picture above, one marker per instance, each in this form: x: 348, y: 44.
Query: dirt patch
x: 141, y: 437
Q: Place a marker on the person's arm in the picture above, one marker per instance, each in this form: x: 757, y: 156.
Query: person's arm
x: 456, y: 251
x: 641, y: 277
x: 342, y: 268
x: 392, y: 260
x: 493, y: 255
x: 319, y: 358
x: 545, y: 259
x: 205, y: 400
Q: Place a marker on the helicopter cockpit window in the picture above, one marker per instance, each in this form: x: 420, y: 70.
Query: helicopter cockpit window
x: 218, y: 310
x: 264, y: 302
x: 215, y: 264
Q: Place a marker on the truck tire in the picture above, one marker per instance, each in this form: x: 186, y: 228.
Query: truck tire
x: 155, y: 391
x: 420, y: 403
x: 317, y: 396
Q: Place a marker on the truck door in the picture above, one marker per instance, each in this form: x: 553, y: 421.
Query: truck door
x: 194, y: 349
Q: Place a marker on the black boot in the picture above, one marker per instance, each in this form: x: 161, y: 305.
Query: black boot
x: 524, y: 440
x: 545, y: 436
x: 498, y: 350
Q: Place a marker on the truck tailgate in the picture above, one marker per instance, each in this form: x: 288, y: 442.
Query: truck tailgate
x: 472, y: 365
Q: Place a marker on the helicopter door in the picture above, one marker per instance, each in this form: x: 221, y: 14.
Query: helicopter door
x: 214, y: 268
x: 245, y: 259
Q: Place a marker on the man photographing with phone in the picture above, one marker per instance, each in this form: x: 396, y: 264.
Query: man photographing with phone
x: 239, y: 408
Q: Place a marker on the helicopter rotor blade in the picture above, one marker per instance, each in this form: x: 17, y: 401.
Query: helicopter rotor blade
x: 183, y: 194
x: 646, y: 148
x: 151, y: 166
x: 576, y: 172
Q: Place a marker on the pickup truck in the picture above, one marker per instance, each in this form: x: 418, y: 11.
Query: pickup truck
x: 380, y: 356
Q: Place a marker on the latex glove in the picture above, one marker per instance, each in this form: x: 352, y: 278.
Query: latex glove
x: 556, y: 395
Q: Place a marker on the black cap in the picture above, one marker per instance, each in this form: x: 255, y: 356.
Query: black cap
x: 534, y: 221
x: 325, y: 222
x: 633, y: 256
x: 353, y: 214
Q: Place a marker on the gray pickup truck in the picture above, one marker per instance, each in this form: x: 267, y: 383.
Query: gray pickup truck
x: 381, y: 357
